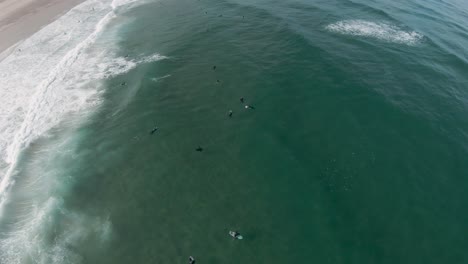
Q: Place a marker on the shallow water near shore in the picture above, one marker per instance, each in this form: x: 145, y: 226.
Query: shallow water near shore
x: 356, y: 151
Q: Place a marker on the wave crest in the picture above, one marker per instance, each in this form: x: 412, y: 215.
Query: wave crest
x: 381, y: 31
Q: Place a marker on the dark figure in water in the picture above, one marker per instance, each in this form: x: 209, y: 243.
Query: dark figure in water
x: 230, y: 113
x: 191, y: 260
x: 214, y: 67
x: 218, y: 81
x: 154, y: 130
x: 123, y: 83
x: 199, y: 149
x: 242, y: 99
x: 249, y: 107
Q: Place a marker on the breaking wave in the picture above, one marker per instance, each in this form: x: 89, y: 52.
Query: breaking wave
x: 58, y: 72
x: 381, y: 31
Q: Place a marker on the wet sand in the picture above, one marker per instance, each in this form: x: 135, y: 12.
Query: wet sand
x: 22, y: 18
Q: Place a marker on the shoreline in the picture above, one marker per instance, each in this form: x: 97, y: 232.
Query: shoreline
x: 20, y: 19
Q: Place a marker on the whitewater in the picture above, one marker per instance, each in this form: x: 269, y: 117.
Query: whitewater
x: 53, y: 74
x: 378, y: 30
x: 54, y: 77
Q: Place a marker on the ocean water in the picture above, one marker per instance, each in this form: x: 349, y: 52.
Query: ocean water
x: 356, y: 150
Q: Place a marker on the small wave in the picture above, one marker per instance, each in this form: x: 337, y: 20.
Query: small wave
x: 381, y: 31
x: 113, y: 67
x: 156, y: 79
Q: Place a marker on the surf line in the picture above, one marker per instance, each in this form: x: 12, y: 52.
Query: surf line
x: 25, y: 135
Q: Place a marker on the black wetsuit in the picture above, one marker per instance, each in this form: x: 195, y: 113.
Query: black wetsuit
x: 191, y: 260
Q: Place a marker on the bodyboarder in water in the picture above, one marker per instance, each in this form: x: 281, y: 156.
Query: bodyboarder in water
x: 191, y: 260
x: 235, y: 234
x: 154, y: 130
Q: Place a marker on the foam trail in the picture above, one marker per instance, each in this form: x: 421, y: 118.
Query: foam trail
x: 156, y: 79
x: 381, y: 31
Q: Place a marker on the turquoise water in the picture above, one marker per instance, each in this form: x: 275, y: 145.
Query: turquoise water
x: 356, y: 151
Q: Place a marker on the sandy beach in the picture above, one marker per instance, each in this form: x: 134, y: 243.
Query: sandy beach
x: 22, y: 18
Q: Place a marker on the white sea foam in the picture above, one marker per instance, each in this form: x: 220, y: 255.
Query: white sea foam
x: 117, y: 3
x: 55, y: 73
x: 156, y: 79
x: 68, y: 230
x: 382, y: 31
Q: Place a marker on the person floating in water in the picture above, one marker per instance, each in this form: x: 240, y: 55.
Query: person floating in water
x: 214, y: 67
x: 218, y: 81
x: 154, y: 130
x: 235, y: 234
x: 242, y: 99
x: 191, y: 260
x: 199, y: 149
x: 249, y: 107
x: 230, y: 113
x: 123, y: 83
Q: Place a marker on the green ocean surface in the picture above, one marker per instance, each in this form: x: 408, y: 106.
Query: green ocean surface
x: 355, y: 151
